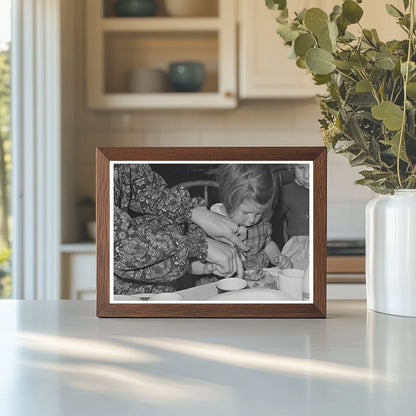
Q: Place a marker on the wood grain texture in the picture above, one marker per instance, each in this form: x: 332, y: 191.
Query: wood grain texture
x: 317, y: 309
x: 346, y: 264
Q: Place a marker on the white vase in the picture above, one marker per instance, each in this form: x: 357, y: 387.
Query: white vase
x: 391, y: 253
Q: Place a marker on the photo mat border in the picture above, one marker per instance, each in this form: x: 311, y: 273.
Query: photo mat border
x: 316, y: 308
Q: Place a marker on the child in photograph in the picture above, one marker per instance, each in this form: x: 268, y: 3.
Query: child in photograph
x: 294, y: 214
x: 248, y: 193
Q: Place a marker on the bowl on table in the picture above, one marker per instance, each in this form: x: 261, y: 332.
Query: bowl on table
x: 186, y: 76
x: 230, y: 284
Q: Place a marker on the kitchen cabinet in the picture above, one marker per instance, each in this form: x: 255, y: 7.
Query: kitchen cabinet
x: 346, y: 277
x: 265, y: 67
x: 118, y: 45
x: 265, y: 70
x: 78, y: 263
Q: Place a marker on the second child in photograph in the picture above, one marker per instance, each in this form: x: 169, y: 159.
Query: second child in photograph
x: 294, y: 216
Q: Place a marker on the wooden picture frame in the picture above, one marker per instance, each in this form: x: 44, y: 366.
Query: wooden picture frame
x: 108, y: 301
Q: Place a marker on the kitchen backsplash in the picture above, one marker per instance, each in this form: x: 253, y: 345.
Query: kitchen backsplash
x: 260, y: 123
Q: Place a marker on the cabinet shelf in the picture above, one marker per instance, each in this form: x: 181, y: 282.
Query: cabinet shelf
x: 118, y: 46
x: 196, y: 100
x: 160, y: 24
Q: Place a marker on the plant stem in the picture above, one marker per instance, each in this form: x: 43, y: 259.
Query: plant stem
x: 405, y: 81
x: 346, y: 75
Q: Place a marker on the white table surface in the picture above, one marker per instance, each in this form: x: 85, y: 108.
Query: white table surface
x: 57, y: 358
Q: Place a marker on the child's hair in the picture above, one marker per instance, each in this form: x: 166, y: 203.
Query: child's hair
x: 240, y: 182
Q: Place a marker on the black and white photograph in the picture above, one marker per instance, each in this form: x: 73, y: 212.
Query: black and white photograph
x: 211, y: 232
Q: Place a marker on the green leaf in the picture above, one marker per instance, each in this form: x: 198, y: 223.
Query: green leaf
x: 303, y: 43
x: 368, y: 36
x: 333, y: 32
x: 336, y: 12
x: 391, y: 114
x: 375, y: 35
x: 347, y: 37
x: 358, y: 160
x: 393, y: 11
x: 276, y: 4
x: 287, y: 33
x: 316, y: 20
x: 301, y: 15
x: 358, y: 61
x: 343, y: 145
x: 325, y: 42
x: 384, y: 62
x: 394, y: 143
x: 344, y: 65
x: 319, y: 61
x: 406, y: 4
x: 374, y: 174
x: 412, y: 67
x: 354, y: 132
x: 363, y: 86
x: 411, y: 90
x: 321, y: 79
x: 351, y: 11
x: 342, y: 25
x: 301, y: 63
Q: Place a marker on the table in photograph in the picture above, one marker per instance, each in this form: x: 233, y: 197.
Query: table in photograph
x: 57, y: 358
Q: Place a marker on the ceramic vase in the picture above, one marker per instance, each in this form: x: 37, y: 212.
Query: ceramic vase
x: 391, y: 253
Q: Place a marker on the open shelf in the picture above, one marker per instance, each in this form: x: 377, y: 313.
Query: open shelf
x: 118, y: 45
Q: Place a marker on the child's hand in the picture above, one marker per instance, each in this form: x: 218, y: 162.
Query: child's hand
x: 283, y: 262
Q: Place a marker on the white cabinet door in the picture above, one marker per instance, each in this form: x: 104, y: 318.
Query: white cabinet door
x: 265, y: 69
x: 78, y: 276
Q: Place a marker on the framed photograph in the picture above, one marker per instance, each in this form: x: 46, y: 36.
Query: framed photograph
x: 211, y: 232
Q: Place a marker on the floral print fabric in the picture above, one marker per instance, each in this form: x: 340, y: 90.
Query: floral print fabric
x: 153, y: 241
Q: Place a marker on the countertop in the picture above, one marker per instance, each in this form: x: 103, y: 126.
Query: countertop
x: 57, y: 358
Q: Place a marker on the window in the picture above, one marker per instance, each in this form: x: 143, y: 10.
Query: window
x: 5, y: 147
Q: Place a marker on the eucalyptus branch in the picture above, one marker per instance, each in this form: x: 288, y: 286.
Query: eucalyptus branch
x: 346, y: 75
x: 373, y: 88
x: 405, y: 81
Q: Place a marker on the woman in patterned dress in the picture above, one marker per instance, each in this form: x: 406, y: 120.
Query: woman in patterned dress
x: 158, y: 230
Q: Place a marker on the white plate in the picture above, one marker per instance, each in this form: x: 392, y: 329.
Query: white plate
x: 254, y: 294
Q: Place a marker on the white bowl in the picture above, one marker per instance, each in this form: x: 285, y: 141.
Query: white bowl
x: 230, y: 284
x: 147, y: 80
x: 191, y: 8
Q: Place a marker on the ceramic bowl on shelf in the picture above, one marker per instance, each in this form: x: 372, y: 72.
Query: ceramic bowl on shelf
x: 191, y: 8
x: 135, y: 8
x: 186, y: 76
x: 147, y: 80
